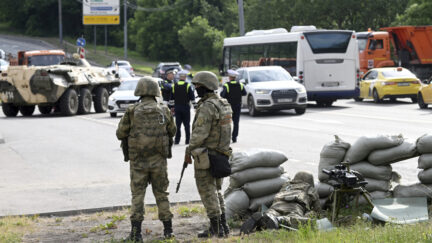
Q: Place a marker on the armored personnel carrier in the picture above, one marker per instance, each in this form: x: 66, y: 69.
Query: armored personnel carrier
x: 69, y: 87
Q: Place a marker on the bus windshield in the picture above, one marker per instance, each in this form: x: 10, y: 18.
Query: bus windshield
x: 328, y: 42
x: 45, y: 60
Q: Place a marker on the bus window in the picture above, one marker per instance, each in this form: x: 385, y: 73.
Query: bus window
x: 328, y: 42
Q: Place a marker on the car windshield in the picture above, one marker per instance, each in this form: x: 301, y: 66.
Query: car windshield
x: 128, y: 85
x: 167, y: 67
x: 269, y: 75
x: 328, y: 42
x: 123, y: 73
x: 45, y: 60
x: 122, y: 64
x: 398, y: 74
x: 361, y: 43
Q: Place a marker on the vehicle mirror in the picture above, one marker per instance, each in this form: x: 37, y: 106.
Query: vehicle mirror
x: 296, y: 79
x: 426, y: 81
x: 221, y: 72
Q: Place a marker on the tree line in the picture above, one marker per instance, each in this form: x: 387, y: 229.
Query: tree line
x: 193, y: 30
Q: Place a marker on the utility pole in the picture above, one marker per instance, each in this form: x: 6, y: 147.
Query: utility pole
x: 125, y: 29
x: 60, y: 23
x: 94, y: 30
x: 106, y: 40
x: 241, y: 17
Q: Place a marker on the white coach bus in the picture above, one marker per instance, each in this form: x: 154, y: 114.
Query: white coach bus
x: 324, y: 61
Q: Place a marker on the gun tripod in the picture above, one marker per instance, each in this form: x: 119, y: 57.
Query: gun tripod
x: 342, y: 195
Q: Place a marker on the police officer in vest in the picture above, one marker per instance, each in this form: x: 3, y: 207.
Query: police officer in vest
x: 181, y: 97
x: 166, y: 86
x: 233, y: 92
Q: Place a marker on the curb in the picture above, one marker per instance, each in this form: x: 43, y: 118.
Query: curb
x: 91, y: 210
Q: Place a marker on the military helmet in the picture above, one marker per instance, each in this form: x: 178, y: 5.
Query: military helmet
x: 305, y: 177
x: 147, y: 86
x: 206, y: 79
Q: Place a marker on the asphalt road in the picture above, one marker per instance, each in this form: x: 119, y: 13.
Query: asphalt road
x: 53, y: 163
x: 13, y: 44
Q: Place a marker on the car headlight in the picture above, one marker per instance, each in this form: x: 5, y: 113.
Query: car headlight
x: 301, y: 90
x: 111, y: 98
x: 262, y: 91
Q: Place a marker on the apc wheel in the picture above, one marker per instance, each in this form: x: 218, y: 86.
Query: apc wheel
x: 10, y: 110
x: 376, y: 96
x: 414, y: 99
x: 45, y: 109
x: 421, y: 102
x: 85, y: 101
x: 113, y: 114
x: 251, y: 106
x: 358, y: 99
x: 101, y: 100
x: 300, y: 111
x: 69, y: 103
x: 27, y: 110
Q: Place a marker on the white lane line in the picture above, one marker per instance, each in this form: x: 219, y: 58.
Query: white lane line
x: 380, y: 118
x: 320, y: 120
x: 97, y: 121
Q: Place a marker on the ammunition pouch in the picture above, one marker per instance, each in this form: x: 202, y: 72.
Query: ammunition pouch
x: 201, y: 158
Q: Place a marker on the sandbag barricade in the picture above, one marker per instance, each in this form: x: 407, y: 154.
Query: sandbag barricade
x: 424, y: 147
x: 256, y: 178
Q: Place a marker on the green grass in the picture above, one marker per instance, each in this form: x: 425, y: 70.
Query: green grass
x: 187, y: 212
x: 13, y: 228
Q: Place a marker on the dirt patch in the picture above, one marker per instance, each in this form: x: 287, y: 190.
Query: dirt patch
x: 113, y: 226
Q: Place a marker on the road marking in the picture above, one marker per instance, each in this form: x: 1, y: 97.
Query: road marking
x: 97, y: 121
x: 320, y: 120
x: 380, y: 118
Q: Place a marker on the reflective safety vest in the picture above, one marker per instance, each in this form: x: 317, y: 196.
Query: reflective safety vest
x: 180, y: 93
x: 234, y: 92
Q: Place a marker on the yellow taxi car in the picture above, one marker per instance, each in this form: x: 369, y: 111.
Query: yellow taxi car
x: 389, y: 82
x: 425, y: 95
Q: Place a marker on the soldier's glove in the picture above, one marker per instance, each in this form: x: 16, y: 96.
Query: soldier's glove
x: 188, y: 158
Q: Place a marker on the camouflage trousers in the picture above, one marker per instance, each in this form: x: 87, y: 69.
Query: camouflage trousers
x: 209, y: 189
x: 293, y: 220
x: 153, y: 171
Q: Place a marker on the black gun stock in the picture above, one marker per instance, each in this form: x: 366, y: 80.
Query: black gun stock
x: 185, y: 165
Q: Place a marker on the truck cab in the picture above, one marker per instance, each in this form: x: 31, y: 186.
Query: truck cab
x: 374, y: 50
x: 38, y: 58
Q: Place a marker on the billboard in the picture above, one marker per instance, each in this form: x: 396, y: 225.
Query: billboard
x: 101, y: 12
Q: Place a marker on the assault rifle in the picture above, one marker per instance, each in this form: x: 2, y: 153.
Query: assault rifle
x: 185, y: 165
x: 125, y: 148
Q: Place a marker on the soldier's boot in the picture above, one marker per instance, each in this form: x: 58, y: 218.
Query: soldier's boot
x: 135, y: 234
x: 270, y: 221
x: 214, y: 230
x: 251, y: 223
x: 168, y: 231
x: 224, y: 224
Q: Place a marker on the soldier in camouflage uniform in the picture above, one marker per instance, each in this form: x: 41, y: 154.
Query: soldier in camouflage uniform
x: 149, y: 128
x: 296, y: 203
x: 211, y: 133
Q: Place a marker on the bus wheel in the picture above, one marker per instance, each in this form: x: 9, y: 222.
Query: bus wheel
x: 324, y: 103
x: 421, y: 102
x: 376, y: 96
x: 358, y: 99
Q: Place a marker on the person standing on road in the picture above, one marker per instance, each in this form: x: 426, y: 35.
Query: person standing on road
x: 181, y: 97
x: 211, y: 130
x: 233, y: 91
x: 166, y: 86
x: 188, y: 68
x: 148, y: 128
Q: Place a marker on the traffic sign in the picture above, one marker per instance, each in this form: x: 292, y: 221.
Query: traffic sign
x: 81, y: 42
x: 101, y: 12
x: 101, y: 20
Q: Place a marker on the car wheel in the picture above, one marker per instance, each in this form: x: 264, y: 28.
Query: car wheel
x: 251, y: 105
x: 300, y: 111
x: 358, y: 99
x: 113, y: 114
x: 27, y: 110
x: 10, y: 110
x: 101, y: 100
x: 45, y: 109
x: 69, y: 103
x: 85, y: 101
x: 421, y: 102
x: 414, y: 99
x: 376, y: 96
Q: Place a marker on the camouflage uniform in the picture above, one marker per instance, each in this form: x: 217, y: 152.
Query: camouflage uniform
x: 206, y: 133
x: 149, y: 129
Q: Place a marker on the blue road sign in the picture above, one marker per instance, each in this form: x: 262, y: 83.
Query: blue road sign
x: 81, y: 42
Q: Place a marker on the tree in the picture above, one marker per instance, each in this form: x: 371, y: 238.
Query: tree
x: 418, y: 12
x: 201, y: 41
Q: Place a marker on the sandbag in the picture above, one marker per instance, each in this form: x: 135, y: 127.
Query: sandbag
x: 401, y: 152
x: 236, y: 204
x: 256, y: 203
x: 424, y: 144
x: 238, y: 179
x: 324, y: 190
x: 256, y: 158
x: 265, y: 187
x: 366, y: 169
x: 363, y: 146
x: 414, y: 190
x: 425, y: 161
x: 332, y: 154
x: 425, y: 176
x: 375, y: 195
x: 377, y: 185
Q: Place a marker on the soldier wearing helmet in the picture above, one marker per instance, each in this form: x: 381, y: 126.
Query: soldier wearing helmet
x: 295, y: 204
x: 148, y: 128
x: 211, y: 131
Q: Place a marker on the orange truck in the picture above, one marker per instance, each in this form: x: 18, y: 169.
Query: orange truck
x: 38, y: 58
x: 404, y: 46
